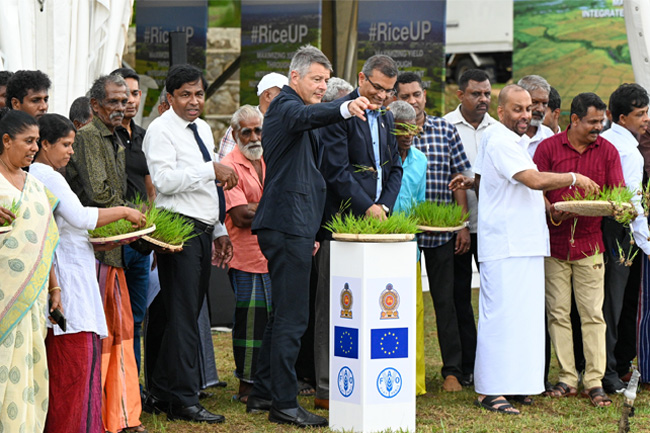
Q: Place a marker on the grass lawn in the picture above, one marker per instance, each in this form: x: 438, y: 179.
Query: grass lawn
x: 437, y: 411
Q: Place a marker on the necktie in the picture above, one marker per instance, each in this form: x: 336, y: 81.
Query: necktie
x: 197, y: 137
x: 207, y: 158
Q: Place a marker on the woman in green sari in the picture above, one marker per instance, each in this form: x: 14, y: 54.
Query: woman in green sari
x: 26, y: 254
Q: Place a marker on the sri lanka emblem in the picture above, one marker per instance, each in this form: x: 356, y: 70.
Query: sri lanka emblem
x: 346, y: 302
x: 389, y: 301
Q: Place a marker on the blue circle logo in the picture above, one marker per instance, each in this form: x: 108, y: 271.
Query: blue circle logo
x: 389, y: 382
x: 346, y: 382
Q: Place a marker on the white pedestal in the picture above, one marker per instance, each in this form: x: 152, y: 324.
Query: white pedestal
x: 372, y: 336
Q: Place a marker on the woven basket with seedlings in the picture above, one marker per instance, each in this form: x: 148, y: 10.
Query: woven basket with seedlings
x: 172, y: 229
x: 431, y: 215
x: 614, y: 201
x: 396, y: 228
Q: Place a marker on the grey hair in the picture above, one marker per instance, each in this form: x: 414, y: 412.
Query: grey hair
x: 163, y: 96
x: 244, y: 112
x: 98, y: 89
x: 402, y: 111
x: 336, y: 86
x: 534, y: 82
x: 305, y: 57
x: 382, y: 63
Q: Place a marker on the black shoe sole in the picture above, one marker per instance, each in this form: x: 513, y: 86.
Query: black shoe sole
x: 281, y: 421
x: 178, y: 418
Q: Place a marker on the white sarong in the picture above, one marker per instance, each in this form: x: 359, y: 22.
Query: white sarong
x: 510, y: 347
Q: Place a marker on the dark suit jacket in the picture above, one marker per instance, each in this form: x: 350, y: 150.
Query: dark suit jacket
x: 349, y: 144
x: 294, y: 189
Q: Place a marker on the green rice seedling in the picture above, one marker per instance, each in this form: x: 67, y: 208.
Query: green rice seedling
x: 397, y: 223
x: 14, y: 209
x: 406, y: 129
x: 119, y: 227
x: 616, y: 196
x: 171, y: 228
x: 596, y: 251
x: 432, y: 214
x: 573, y: 232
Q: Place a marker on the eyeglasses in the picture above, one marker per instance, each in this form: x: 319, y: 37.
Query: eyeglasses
x: 380, y: 89
x: 246, y: 132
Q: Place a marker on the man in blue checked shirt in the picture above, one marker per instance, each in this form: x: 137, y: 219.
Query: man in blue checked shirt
x: 442, y: 145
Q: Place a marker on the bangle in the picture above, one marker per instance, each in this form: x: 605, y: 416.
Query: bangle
x: 573, y: 175
x: 550, y: 216
x: 53, y: 289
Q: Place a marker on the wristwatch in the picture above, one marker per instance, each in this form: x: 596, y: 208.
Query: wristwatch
x: 385, y: 208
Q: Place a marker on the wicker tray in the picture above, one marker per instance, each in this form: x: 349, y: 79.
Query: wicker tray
x: 124, y: 239
x: 162, y: 247
x: 594, y: 208
x: 6, y: 229
x: 350, y: 237
x: 442, y: 229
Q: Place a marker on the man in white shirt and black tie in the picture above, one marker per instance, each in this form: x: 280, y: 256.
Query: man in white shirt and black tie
x: 184, y: 174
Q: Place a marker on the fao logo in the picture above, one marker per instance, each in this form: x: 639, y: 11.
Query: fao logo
x: 389, y: 382
x: 346, y: 382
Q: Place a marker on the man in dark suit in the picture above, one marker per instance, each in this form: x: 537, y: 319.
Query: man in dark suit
x: 286, y: 223
x: 361, y: 167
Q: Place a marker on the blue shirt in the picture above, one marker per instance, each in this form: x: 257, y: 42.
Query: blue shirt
x: 441, y: 144
x: 413, y: 181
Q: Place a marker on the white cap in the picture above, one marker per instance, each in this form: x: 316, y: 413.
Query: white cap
x: 271, y: 80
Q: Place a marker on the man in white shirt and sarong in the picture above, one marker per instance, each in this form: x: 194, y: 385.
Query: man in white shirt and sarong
x: 512, y: 243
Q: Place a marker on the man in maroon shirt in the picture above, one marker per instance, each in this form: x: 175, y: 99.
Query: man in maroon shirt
x: 577, y: 246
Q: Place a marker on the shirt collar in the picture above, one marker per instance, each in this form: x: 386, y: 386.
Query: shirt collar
x: 101, y: 127
x: 625, y: 134
x: 456, y: 116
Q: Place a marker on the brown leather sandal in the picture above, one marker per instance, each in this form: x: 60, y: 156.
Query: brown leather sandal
x: 597, y: 396
x: 561, y: 389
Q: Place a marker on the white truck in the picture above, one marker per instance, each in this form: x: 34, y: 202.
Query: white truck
x: 479, y: 35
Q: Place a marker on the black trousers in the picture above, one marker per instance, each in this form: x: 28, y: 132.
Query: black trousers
x: 290, y: 262
x: 463, y: 302
x: 616, y: 279
x: 173, y: 321
x: 440, y: 272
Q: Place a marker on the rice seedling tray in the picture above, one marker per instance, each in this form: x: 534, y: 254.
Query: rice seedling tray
x: 6, y: 229
x: 160, y: 246
x: 355, y: 237
x: 442, y: 229
x: 123, y: 239
x: 593, y: 208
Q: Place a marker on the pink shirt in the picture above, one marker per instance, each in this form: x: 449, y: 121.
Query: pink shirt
x: 247, y: 255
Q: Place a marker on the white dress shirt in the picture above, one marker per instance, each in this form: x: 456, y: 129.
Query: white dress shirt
x: 543, y: 132
x: 184, y: 181
x: 512, y: 217
x: 471, y: 137
x: 74, y: 259
x: 632, y: 164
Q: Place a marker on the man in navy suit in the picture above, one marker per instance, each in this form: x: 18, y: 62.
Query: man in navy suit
x: 362, y: 168
x: 286, y: 223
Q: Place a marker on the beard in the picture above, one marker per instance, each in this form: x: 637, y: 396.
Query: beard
x: 252, y: 151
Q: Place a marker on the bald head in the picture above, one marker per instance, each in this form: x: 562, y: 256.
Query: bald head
x: 509, y: 91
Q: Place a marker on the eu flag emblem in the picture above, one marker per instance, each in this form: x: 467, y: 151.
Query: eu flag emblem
x: 346, y: 342
x: 389, y: 343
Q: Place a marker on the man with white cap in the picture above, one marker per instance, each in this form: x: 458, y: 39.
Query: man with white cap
x: 267, y: 89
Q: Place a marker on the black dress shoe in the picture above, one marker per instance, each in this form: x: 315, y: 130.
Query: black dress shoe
x: 154, y: 405
x: 196, y: 413
x: 297, y: 416
x: 205, y: 394
x: 257, y: 404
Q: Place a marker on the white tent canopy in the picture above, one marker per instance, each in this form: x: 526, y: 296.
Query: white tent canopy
x: 637, y: 21
x: 72, y: 41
